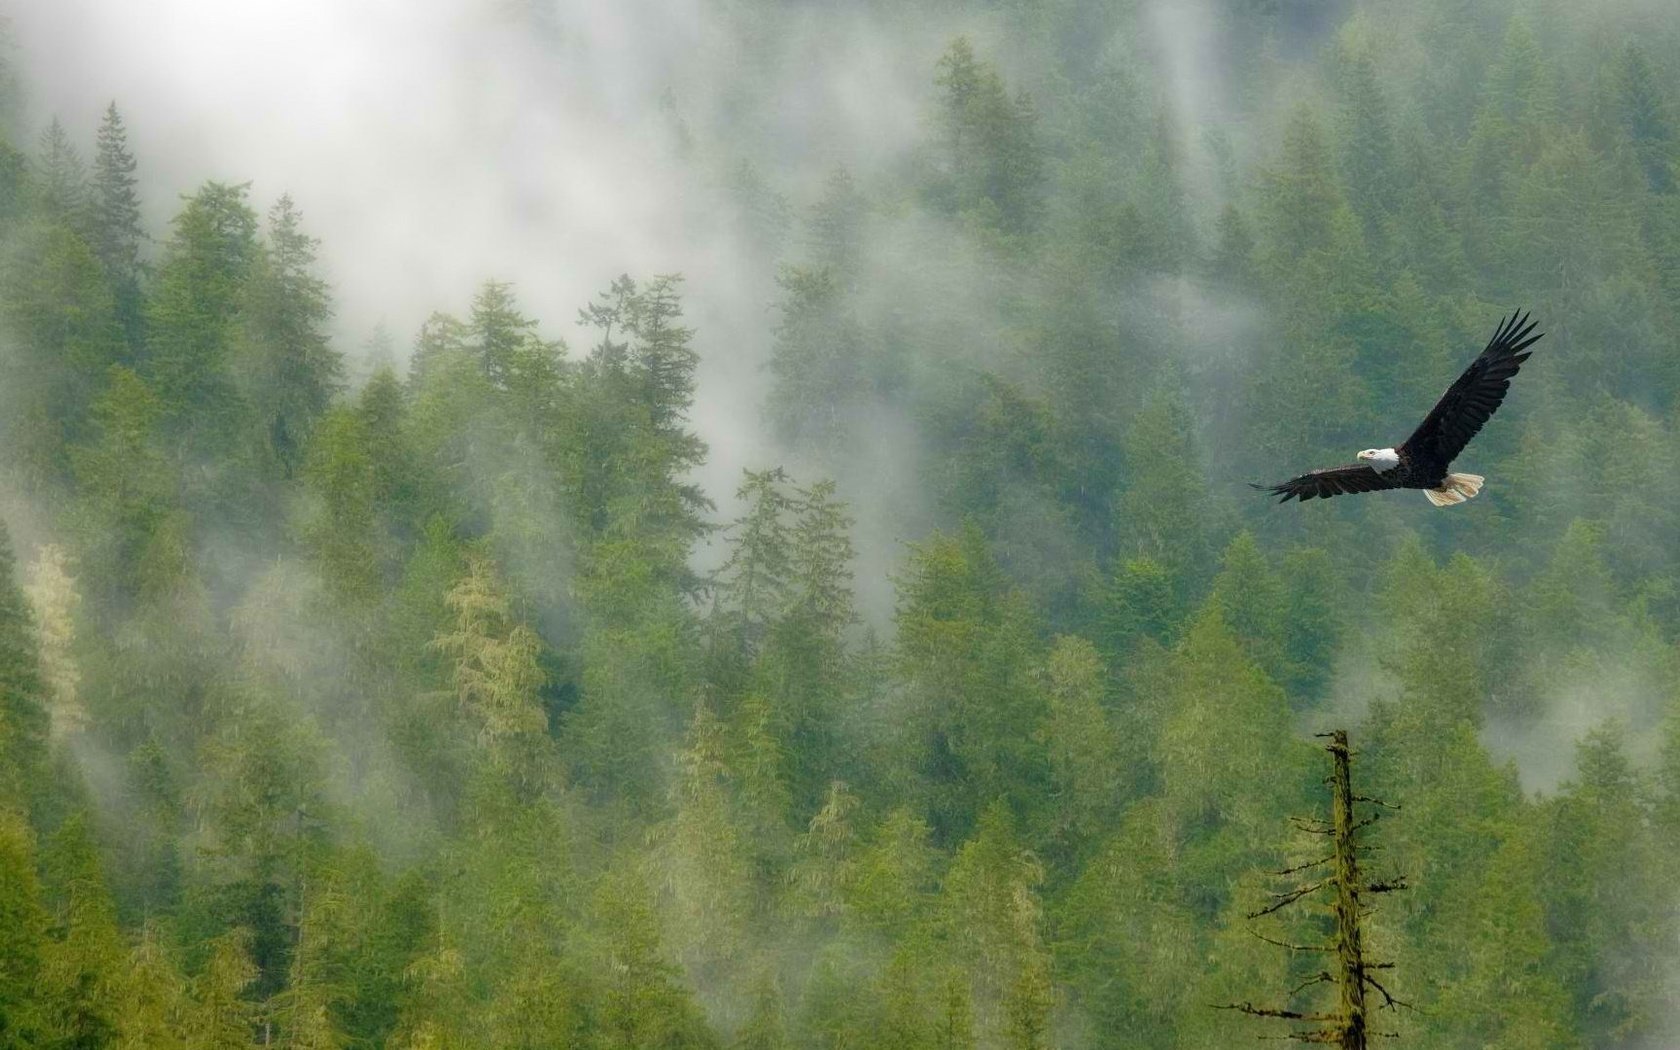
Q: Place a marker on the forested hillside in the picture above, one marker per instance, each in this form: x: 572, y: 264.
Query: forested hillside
x: 420, y: 696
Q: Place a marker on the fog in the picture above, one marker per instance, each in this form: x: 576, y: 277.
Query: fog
x: 434, y: 145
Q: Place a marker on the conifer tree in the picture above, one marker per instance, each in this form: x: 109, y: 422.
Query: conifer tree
x: 193, y: 322
x: 117, y: 230
x: 339, y: 471
x: 218, y: 1016
x: 55, y: 599
x: 83, y: 965
x: 1647, y: 118
x: 23, y: 712
x: 291, y: 371
x: 62, y: 179
x: 818, y: 362
x: 151, y: 1004
x: 60, y: 310
x: 23, y: 925
x: 753, y: 581
x: 497, y: 673
x: 131, y: 526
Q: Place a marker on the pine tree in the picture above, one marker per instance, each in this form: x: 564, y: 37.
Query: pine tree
x: 966, y: 651
x: 1645, y: 116
x: 55, y: 599
x: 23, y: 926
x: 818, y: 363
x: 290, y: 370
x: 703, y: 859
x: 83, y: 965
x: 59, y: 308
x: 117, y: 232
x: 825, y: 861
x: 993, y: 169
x: 342, y: 532
x: 1368, y: 163
x: 218, y: 1016
x: 642, y: 1003
x: 991, y: 904
x: 497, y: 674
x: 834, y: 236
x: 23, y: 711
x: 766, y: 1028
x: 1082, y: 744
x: 62, y: 179
x: 132, y: 530
x: 153, y: 995
x: 193, y: 320
x: 752, y: 584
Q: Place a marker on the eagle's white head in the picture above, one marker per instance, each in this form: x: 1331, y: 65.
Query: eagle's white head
x: 1381, y: 458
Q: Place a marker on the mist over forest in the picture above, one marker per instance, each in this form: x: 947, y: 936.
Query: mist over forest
x: 724, y: 523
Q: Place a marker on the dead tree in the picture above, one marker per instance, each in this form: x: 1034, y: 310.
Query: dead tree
x: 1338, y: 892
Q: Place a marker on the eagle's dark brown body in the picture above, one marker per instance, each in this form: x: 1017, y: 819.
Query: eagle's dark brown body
x: 1424, y: 458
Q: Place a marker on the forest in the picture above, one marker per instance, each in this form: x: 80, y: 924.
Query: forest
x: 420, y: 689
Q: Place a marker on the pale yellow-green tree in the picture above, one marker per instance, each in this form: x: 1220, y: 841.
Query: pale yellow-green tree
x: 496, y: 672
x: 53, y: 594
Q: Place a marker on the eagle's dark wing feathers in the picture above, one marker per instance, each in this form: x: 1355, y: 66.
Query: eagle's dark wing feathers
x: 1335, y: 481
x: 1472, y: 399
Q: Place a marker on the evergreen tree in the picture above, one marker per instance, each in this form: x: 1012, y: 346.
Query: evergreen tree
x: 62, y: 179
x: 753, y: 581
x: 57, y: 305
x: 132, y: 528
x: 340, y: 473
x: 23, y: 710
x: 117, y: 232
x: 193, y: 323
x: 23, y: 925
x: 1645, y: 116
x: 218, y: 1016
x: 291, y: 371
x: 82, y: 967
x: 497, y: 673
x: 966, y: 650
x: 53, y: 595
x: 151, y: 1007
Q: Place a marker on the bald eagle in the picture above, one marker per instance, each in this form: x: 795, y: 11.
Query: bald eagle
x: 1421, y: 461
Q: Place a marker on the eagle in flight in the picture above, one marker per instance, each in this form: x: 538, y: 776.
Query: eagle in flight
x: 1420, y: 462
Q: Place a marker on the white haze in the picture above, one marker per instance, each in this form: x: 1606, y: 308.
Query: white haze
x: 438, y: 144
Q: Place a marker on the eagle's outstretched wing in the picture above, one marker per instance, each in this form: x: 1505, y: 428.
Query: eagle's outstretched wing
x: 1468, y: 403
x: 1334, y: 481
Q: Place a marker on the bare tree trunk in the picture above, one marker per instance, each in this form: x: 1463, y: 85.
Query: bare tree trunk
x: 1349, y: 953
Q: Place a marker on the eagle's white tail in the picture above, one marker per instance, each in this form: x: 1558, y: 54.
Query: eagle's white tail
x: 1456, y: 489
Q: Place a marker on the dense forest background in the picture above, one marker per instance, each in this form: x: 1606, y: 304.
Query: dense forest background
x: 430, y: 693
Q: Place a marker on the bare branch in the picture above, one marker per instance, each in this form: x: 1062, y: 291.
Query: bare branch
x: 1321, y: 977
x: 1306, y: 824
x: 1303, y: 867
x: 1375, y: 801
x: 1293, y: 947
x: 1285, y: 899
x: 1268, y: 1011
x: 1388, y: 885
x: 1389, y: 1002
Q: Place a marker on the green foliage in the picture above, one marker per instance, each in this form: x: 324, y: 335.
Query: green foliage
x: 23, y: 695
x: 289, y: 371
x: 23, y: 926
x: 346, y: 709
x: 194, y: 315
